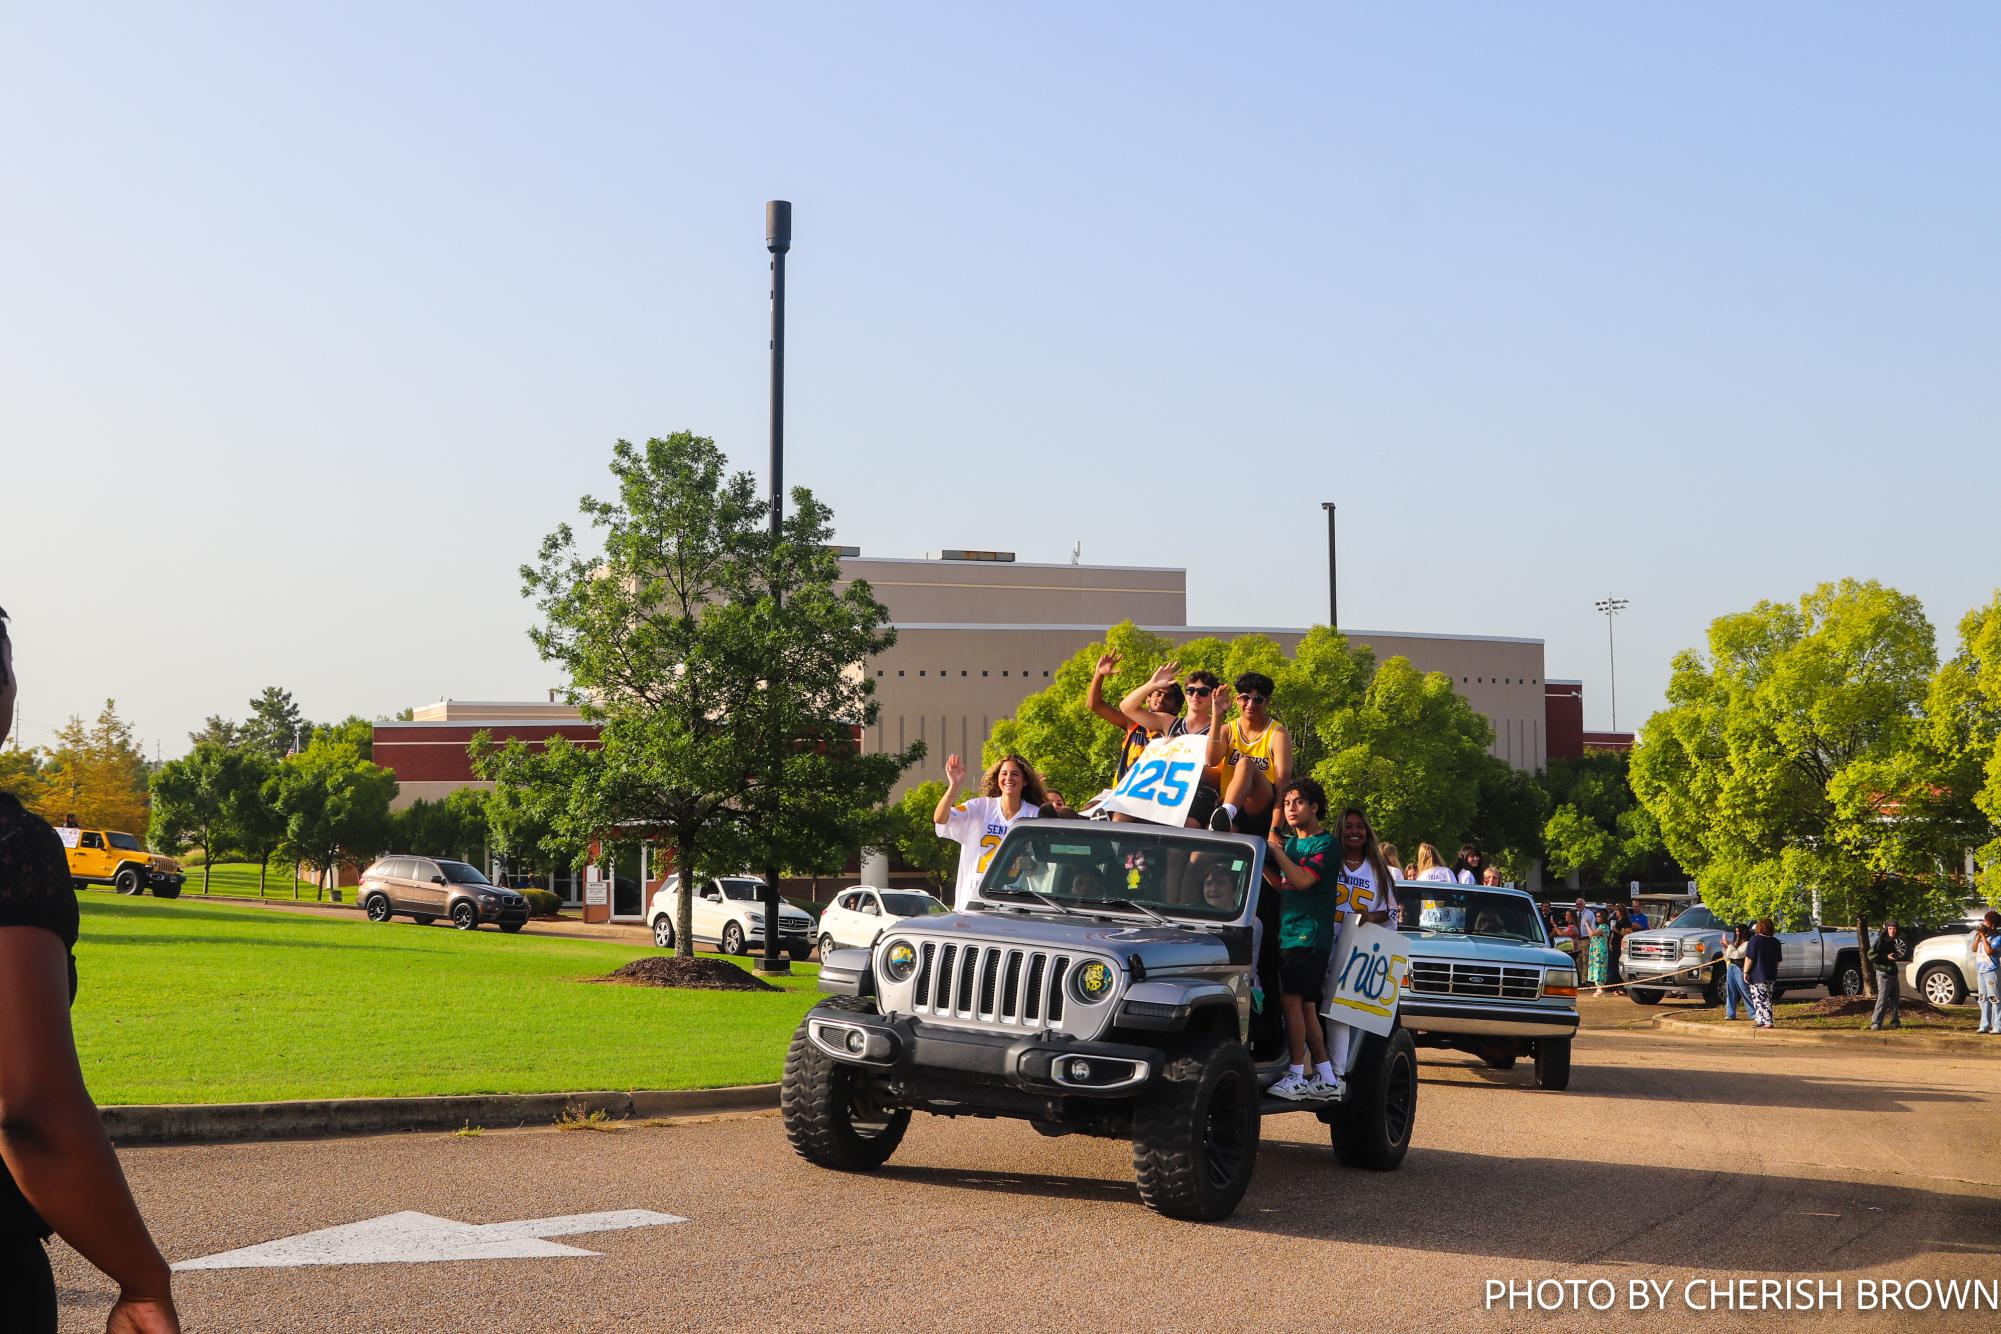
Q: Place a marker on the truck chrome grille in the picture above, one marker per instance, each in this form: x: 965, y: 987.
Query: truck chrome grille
x: 1653, y: 949
x: 996, y: 985
x: 1497, y: 981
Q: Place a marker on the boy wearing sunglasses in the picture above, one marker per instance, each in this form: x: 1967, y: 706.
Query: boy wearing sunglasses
x: 1255, y: 752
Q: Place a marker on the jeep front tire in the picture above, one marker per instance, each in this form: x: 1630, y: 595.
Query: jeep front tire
x: 128, y: 881
x: 1195, y: 1135
x: 830, y: 1116
x: 1371, y: 1127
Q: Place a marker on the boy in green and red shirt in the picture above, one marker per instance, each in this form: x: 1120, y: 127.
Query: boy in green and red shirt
x: 1296, y: 865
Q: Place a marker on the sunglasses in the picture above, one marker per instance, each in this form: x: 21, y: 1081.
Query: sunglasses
x: 1250, y: 697
x: 1197, y: 692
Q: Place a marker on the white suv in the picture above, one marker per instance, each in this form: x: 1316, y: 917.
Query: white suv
x: 857, y: 916
x: 1941, y: 967
x: 729, y: 912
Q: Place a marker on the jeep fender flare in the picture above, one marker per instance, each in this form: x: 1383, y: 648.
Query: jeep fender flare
x: 1171, y: 1005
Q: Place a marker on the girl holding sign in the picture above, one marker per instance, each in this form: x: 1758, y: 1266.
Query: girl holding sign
x: 1010, y: 791
x: 1367, y: 889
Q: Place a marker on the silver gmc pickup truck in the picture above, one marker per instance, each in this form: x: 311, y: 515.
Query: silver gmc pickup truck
x: 1685, y: 958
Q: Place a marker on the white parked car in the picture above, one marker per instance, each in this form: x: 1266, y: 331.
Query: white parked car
x: 857, y: 916
x: 729, y: 913
x: 1941, y: 967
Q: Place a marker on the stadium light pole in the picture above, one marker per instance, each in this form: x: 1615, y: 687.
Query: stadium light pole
x: 1612, y: 606
x: 1333, y: 601
x: 777, y: 240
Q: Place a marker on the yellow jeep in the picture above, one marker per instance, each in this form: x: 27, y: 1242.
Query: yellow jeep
x: 107, y: 857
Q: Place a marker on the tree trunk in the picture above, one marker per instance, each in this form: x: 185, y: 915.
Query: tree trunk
x: 684, y: 908
x: 263, y: 868
x: 204, y: 870
x: 1862, y: 944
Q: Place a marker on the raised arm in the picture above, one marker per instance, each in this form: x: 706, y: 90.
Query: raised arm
x: 1219, y: 727
x: 955, y: 774
x: 1094, y: 698
x: 1133, y: 706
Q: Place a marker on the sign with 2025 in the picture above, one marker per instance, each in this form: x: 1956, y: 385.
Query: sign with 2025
x: 1161, y: 785
x: 1366, y: 977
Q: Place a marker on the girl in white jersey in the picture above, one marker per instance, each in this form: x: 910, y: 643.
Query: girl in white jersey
x: 1009, y: 792
x: 1368, y: 890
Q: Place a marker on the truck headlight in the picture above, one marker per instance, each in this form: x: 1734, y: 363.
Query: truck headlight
x: 1092, y: 982
x: 1694, y: 949
x: 1559, y: 982
x: 899, y: 961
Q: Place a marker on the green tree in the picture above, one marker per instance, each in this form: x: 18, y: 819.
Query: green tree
x: 97, y: 773
x: 255, y: 812
x: 909, y: 830
x: 1793, y: 760
x: 522, y: 820
x: 193, y: 800
x: 219, y: 731
x: 1597, y: 827
x: 1075, y: 751
x: 21, y: 775
x: 1963, y: 708
x: 353, y: 730
x: 727, y: 715
x: 275, y: 725
x: 335, y: 804
x: 455, y: 827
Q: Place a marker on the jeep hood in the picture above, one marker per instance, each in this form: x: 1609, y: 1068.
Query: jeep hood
x: 1157, y: 946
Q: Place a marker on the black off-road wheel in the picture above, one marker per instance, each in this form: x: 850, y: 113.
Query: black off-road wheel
x: 1195, y: 1135
x: 1552, y: 1064
x: 377, y: 908
x: 1371, y: 1128
x: 831, y: 1113
x: 128, y: 882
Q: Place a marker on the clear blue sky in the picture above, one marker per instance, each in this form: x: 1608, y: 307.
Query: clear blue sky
x: 318, y: 318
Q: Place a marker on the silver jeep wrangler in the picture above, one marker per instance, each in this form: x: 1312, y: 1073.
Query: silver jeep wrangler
x: 1101, y: 983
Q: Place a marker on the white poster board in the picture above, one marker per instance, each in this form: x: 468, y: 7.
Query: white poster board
x: 69, y: 834
x: 1160, y: 786
x: 1366, y: 977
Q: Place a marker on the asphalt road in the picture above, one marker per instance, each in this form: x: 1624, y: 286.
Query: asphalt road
x: 1670, y: 1158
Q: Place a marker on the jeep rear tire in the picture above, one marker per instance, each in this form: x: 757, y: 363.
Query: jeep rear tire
x: 128, y: 881
x: 1195, y: 1134
x: 1552, y: 1064
x: 1371, y: 1127
x: 830, y: 1114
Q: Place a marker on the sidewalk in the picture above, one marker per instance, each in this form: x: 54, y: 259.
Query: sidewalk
x: 625, y: 933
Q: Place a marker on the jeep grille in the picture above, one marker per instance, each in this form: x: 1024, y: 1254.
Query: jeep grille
x: 990, y: 984
x: 1498, y: 981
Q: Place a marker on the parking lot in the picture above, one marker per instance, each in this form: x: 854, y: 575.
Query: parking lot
x: 1670, y: 1157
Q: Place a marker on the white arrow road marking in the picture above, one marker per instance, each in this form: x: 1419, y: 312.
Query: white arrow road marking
x: 413, y: 1238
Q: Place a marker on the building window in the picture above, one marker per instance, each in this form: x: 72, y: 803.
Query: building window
x: 899, y: 671
x: 878, y: 671
x: 920, y: 671
x: 962, y: 673
x: 1045, y: 675
x: 983, y: 672
x: 1003, y: 671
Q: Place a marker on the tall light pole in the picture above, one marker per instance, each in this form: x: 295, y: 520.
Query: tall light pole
x: 1333, y: 601
x: 1612, y: 606
x: 778, y: 240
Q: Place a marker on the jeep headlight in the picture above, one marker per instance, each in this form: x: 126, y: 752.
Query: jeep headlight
x: 899, y: 961
x: 1092, y: 982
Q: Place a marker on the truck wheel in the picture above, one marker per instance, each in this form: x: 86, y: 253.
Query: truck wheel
x: 1644, y: 997
x: 1552, y: 1064
x: 1195, y: 1136
x: 1847, y: 977
x: 1371, y: 1128
x: 831, y: 1114
x: 128, y: 882
x: 1941, y: 984
x: 1712, y: 990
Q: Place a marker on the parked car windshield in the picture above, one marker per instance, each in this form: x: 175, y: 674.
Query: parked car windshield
x: 911, y: 905
x: 1473, y: 912
x: 747, y: 891
x: 1187, y: 876
x: 1698, y: 916
x: 461, y: 874
x: 125, y: 841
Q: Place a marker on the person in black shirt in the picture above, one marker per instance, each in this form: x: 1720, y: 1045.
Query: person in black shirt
x: 57, y: 1170
x: 1761, y: 969
x: 1886, y: 952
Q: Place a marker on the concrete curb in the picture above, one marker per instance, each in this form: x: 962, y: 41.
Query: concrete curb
x: 1741, y: 1032
x: 209, y: 1123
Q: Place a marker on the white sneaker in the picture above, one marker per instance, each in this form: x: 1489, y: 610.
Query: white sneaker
x: 1293, y: 1087
x: 1325, y: 1090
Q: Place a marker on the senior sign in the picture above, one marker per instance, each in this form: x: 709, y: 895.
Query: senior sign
x: 1160, y: 786
x: 1366, y: 977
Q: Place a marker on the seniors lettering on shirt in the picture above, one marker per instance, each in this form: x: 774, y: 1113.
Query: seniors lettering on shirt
x: 996, y: 830
x: 1353, y: 893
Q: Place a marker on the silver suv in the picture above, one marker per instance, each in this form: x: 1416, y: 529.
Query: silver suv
x: 1100, y: 983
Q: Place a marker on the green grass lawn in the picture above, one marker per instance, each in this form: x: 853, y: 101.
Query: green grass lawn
x: 240, y: 878
x: 185, y: 1001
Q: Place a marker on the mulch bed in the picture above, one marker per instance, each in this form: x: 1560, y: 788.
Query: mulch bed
x: 667, y: 970
x: 1860, y: 1007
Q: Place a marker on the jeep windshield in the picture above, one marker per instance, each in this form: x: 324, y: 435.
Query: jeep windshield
x: 1123, y: 868
x: 1471, y: 911
x: 125, y: 842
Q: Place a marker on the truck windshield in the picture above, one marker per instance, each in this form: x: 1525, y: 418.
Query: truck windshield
x: 1698, y: 916
x: 125, y: 841
x: 1183, y: 875
x: 1474, y: 912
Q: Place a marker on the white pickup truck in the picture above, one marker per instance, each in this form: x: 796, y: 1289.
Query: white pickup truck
x: 1685, y: 958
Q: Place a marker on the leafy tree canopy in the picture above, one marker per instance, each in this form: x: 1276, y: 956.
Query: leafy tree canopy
x: 275, y: 725
x: 97, y: 773
x: 194, y: 799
